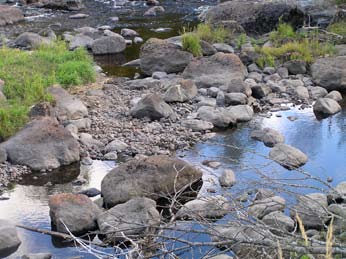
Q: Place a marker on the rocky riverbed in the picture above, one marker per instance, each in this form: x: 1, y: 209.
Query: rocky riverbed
x: 180, y: 101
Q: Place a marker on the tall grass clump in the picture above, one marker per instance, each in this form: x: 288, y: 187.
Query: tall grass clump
x: 28, y: 74
x: 212, y: 35
x: 191, y: 43
x: 338, y: 28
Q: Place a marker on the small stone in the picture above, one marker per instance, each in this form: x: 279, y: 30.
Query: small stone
x: 227, y: 179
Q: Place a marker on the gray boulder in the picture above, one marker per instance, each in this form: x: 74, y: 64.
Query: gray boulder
x: 221, y: 70
x: 108, y: 45
x: 295, y: 67
x: 30, y: 40
x: 153, y: 107
x: 218, y: 116
x: 335, y: 95
x: 133, y: 219
x: 41, y: 145
x: 339, y: 213
x: 288, y: 156
x: 326, y: 106
x: 152, y: 177
x: 222, y: 47
x: 277, y: 220
x: 268, y: 136
x: 161, y: 55
x: 183, y: 91
x: 261, y: 208
x: 242, y: 113
x: 9, y: 241
x: 81, y: 41
x: 198, y: 125
x: 67, y: 107
x: 301, y: 92
x: 204, y: 207
x: 312, y: 210
x: 76, y: 211
x: 330, y: 73
x: 338, y: 194
x: 10, y: 15
x: 254, y: 16
x: 116, y: 146
x: 318, y: 92
x: 235, y: 99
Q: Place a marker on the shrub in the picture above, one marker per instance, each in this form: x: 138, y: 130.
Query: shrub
x: 28, y: 74
x: 191, y: 43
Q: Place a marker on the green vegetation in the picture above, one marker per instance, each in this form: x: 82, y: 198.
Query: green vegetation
x: 291, y: 45
x: 191, y: 43
x: 338, y: 28
x: 212, y: 35
x: 340, y: 2
x: 204, y: 31
x: 28, y: 74
x: 241, y: 40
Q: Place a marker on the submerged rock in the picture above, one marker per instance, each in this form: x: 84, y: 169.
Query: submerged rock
x: 42, y: 144
x: 76, y: 211
x: 161, y: 55
x: 9, y: 241
x: 268, y: 136
x: 132, y: 219
x: 152, y: 177
x: 288, y: 156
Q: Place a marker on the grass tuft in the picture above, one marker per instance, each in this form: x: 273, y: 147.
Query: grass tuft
x: 191, y: 43
x: 28, y: 74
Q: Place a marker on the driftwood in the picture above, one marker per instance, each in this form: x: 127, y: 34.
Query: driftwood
x: 59, y: 235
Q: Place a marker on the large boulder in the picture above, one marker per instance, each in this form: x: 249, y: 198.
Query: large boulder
x: 153, y: 177
x: 80, y: 41
x: 67, y: 107
x: 330, y: 73
x: 108, y: 45
x: 161, y: 55
x: 41, y: 145
x: 76, y: 211
x: 218, y: 116
x: 255, y: 16
x: 132, y: 219
x: 288, y: 156
x: 326, y: 106
x: 10, y: 15
x: 312, y: 210
x: 221, y: 70
x: 153, y: 107
x: 9, y: 241
x: 183, y: 91
x: 31, y: 40
x: 204, y: 207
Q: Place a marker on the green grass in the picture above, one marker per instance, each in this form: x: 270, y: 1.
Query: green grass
x: 291, y: 45
x: 241, y: 40
x: 338, y: 28
x: 212, y: 35
x: 191, y: 43
x: 340, y: 2
x: 28, y: 74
